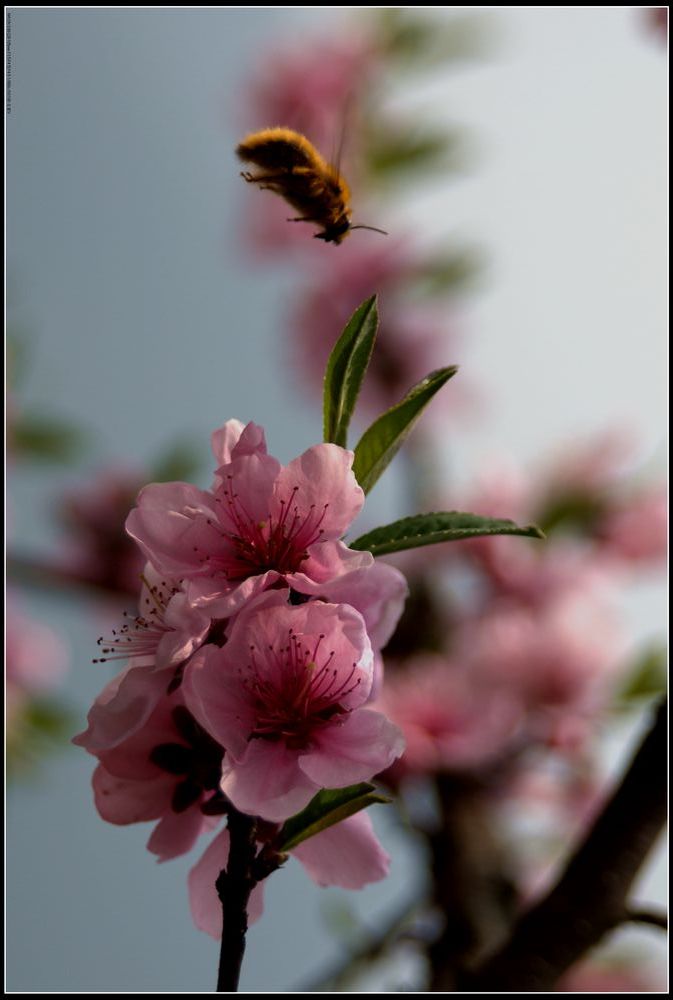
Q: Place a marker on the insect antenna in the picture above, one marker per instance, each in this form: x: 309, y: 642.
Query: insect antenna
x: 373, y: 229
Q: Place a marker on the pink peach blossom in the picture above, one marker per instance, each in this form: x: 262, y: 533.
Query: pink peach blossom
x: 261, y: 524
x: 166, y: 770
x: 166, y: 631
x: 157, y: 643
x: 285, y: 697
x: 347, y: 855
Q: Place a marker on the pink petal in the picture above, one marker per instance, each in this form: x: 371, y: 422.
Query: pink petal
x: 323, y: 475
x: 224, y: 440
x: 251, y: 478
x: 189, y: 626
x: 203, y: 899
x: 123, y: 800
x: 215, y: 696
x: 176, y: 833
x: 347, y: 854
x: 268, y: 781
x: 364, y: 745
x: 211, y: 595
x: 325, y: 562
x: 122, y: 708
x: 169, y: 523
x: 378, y: 591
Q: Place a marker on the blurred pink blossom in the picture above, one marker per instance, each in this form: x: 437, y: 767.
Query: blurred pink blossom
x: 450, y: 720
x: 100, y: 551
x: 36, y: 659
x: 636, y: 529
x: 559, y: 660
x: 611, y: 976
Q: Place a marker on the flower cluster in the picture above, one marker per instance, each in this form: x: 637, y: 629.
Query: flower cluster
x: 252, y: 663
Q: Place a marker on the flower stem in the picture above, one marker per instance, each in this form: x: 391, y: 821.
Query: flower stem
x: 234, y: 885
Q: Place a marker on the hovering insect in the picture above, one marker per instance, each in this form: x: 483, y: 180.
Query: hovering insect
x: 293, y: 168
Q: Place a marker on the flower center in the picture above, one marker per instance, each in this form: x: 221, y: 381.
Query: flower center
x: 304, y: 695
x: 280, y: 542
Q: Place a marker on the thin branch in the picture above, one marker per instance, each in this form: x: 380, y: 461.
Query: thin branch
x: 655, y: 918
x: 589, y: 900
x: 51, y: 576
x: 234, y: 885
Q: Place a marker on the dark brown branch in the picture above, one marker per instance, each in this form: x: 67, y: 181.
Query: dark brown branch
x: 590, y: 899
x: 472, y: 886
x: 234, y: 885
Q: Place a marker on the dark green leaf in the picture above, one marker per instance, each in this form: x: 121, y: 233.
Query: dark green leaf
x: 328, y: 807
x: 346, y: 369
x: 380, y: 442
x: 429, y: 529
x: 41, y: 437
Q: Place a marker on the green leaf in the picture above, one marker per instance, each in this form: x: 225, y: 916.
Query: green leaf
x: 346, y: 369
x: 450, y: 270
x: 420, y: 42
x: 380, y: 442
x: 392, y: 152
x: 646, y: 678
x: 40, y: 437
x: 429, y: 529
x: 328, y: 807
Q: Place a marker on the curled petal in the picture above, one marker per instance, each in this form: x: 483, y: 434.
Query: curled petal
x: 324, y: 563
x: 209, y: 594
x: 235, y: 439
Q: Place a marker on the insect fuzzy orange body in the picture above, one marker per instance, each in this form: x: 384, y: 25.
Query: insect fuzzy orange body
x: 293, y: 168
